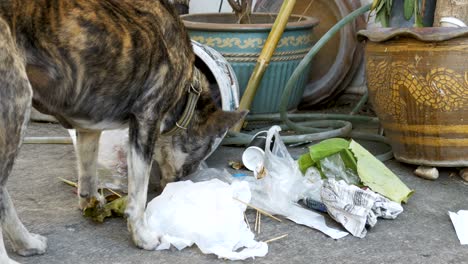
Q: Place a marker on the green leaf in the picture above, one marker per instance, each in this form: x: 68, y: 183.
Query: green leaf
x: 375, y: 3
x: 381, y: 5
x: 305, y: 161
x: 383, y: 18
x: 327, y: 147
x: 349, y: 159
x: 388, y: 7
x: 378, y: 177
x: 409, y: 6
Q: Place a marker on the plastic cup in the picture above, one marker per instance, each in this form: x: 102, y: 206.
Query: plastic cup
x: 255, y: 151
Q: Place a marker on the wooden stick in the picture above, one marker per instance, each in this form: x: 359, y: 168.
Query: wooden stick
x: 276, y: 238
x: 258, y: 209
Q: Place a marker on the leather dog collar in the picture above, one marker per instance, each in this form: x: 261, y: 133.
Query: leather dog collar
x: 194, y: 90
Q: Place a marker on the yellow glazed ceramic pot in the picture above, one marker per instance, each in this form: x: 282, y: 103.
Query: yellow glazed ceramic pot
x: 418, y: 85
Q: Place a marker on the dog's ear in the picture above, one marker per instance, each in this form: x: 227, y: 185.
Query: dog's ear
x: 220, y: 121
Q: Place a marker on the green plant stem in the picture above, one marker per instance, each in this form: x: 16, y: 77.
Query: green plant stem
x: 305, y: 62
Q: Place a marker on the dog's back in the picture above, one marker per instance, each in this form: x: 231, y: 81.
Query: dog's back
x: 100, y: 56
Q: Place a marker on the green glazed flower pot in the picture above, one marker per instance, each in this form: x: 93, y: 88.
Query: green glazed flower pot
x: 241, y: 45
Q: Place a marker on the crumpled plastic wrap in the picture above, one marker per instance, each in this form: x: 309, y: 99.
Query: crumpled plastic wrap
x: 283, y: 185
x: 355, y: 208
x: 206, y: 214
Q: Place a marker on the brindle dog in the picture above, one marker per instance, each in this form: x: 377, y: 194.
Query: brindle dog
x: 96, y: 65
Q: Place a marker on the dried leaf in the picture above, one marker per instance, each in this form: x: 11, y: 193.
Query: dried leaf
x: 116, y: 208
x: 236, y: 165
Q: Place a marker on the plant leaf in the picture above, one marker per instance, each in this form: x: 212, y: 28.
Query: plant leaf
x: 114, y: 208
x: 409, y: 6
x: 381, y: 5
x: 374, y: 174
x: 327, y: 147
x: 375, y: 3
x: 383, y: 18
x: 305, y: 161
x: 349, y: 159
x: 388, y: 7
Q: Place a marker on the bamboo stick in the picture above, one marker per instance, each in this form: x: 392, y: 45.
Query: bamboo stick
x: 258, y: 209
x: 264, y: 58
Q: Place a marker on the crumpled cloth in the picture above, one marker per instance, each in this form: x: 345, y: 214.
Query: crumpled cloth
x: 206, y: 214
x: 355, y: 208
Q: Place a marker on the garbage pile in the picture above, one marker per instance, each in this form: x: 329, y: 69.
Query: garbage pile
x: 336, y: 178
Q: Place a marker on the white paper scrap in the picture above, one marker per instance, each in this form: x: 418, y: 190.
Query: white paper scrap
x: 460, y: 222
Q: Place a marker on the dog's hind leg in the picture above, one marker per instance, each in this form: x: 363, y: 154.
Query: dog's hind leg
x: 15, y: 106
x: 87, y: 153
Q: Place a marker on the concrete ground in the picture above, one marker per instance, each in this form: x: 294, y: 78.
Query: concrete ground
x: 423, y: 233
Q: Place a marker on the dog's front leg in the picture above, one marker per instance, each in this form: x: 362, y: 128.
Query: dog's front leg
x: 87, y: 153
x: 139, y: 158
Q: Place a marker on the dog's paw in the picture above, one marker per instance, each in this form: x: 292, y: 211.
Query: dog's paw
x: 142, y: 236
x: 88, y: 201
x: 34, y: 245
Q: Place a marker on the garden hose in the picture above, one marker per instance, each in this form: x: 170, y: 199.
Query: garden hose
x: 318, y: 126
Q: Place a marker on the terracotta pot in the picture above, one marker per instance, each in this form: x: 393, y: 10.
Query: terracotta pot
x: 418, y: 84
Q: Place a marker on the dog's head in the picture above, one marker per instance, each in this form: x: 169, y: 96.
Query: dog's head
x: 181, y: 154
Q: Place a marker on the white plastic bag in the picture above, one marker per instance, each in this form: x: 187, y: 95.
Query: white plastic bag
x: 206, y: 214
x: 283, y: 186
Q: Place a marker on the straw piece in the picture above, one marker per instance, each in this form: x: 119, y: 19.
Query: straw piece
x: 276, y: 238
x: 69, y: 182
x: 47, y: 140
x: 114, y: 192
x: 256, y: 221
x: 305, y: 10
x: 247, y: 221
x: 258, y: 209
x: 259, y: 224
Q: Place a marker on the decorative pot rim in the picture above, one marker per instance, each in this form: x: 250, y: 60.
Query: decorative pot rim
x: 304, y: 23
x: 425, y: 34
